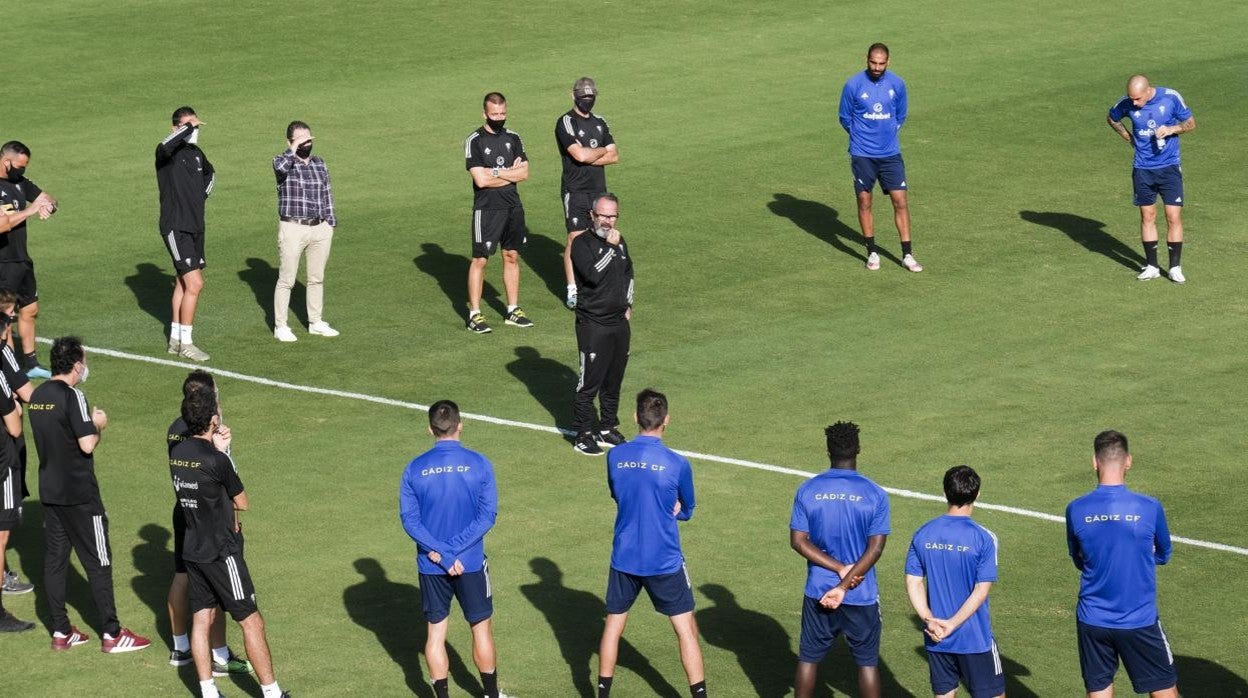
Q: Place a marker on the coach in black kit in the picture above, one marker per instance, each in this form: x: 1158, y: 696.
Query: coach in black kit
x: 604, y: 285
x: 185, y: 178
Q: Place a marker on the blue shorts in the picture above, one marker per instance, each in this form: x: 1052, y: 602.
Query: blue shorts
x: 820, y: 628
x: 671, y: 594
x: 472, y: 589
x: 890, y: 171
x: 1166, y: 182
x: 1144, y: 651
x: 982, y: 673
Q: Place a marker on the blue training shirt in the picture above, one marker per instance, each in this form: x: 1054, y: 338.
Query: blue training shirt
x: 447, y: 502
x: 873, y: 111
x: 1166, y: 108
x: 840, y: 510
x: 646, y: 480
x: 1116, y: 539
x: 955, y: 553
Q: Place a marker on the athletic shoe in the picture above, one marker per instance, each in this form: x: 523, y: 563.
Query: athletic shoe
x: 586, y: 443
x: 175, y: 346
x: 11, y: 624
x: 38, y: 371
x: 73, y: 639
x: 14, y: 586
x: 911, y: 263
x: 125, y: 641
x: 234, y: 664
x: 1149, y: 272
x: 571, y: 302
x: 477, y: 324
x: 192, y: 352
x: 180, y: 658
x: 1176, y: 275
x: 284, y: 334
x: 610, y: 438
x: 873, y: 261
x: 517, y: 318
x: 322, y: 329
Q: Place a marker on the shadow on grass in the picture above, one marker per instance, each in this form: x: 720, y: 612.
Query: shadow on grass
x: 823, y: 222
x: 261, y: 276
x: 550, y: 382
x: 392, y: 612
x: 29, y: 543
x: 760, y: 643
x: 1201, y: 677
x: 576, y: 617
x: 153, y: 560
x: 153, y: 291
x: 1089, y: 233
x: 1012, y: 669
x: 545, y: 257
x: 451, y: 273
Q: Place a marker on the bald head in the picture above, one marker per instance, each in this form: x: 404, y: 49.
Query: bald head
x: 1139, y: 90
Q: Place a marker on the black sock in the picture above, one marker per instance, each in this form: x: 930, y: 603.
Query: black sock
x: 1176, y: 253
x: 604, y: 686
x: 442, y: 688
x: 905, y: 248
x: 698, y: 690
x: 30, y: 360
x: 871, y: 245
x: 490, y: 682
x: 1150, y: 253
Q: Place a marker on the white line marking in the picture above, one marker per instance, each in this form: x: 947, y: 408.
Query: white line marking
x: 908, y: 494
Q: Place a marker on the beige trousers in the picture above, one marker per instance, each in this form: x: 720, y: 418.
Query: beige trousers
x: 293, y: 240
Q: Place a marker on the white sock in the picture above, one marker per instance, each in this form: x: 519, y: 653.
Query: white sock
x: 472, y: 312
x: 208, y: 689
x: 181, y: 643
x: 186, y: 334
x: 510, y: 308
x: 272, y: 690
x: 175, y: 331
x: 221, y: 655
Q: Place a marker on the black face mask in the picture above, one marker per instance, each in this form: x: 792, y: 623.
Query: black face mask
x: 16, y: 173
x: 496, y: 125
x: 585, y: 104
x: 304, y: 149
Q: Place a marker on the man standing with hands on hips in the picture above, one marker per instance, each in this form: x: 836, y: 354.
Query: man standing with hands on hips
x: 305, y: 209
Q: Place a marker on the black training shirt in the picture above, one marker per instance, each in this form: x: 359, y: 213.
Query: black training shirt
x: 604, y: 278
x: 589, y: 132
x: 10, y: 466
x: 185, y: 178
x: 205, y: 483
x: 59, y: 416
x: 490, y: 150
x: 14, y: 197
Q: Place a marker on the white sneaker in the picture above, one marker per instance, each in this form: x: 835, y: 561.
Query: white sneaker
x: 1149, y: 272
x: 284, y: 334
x: 873, y: 261
x: 1176, y: 275
x: 192, y: 352
x: 323, y: 329
x: 911, y: 263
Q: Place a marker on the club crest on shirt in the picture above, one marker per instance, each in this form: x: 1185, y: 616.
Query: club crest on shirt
x: 487, y: 151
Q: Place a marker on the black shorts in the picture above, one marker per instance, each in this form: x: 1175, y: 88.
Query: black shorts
x: 1144, y: 651
x: 19, y: 277
x: 179, y: 532
x: 10, y: 502
x: 671, y: 594
x: 820, y: 628
x: 576, y: 208
x: 492, y: 226
x: 186, y: 250
x: 225, y: 583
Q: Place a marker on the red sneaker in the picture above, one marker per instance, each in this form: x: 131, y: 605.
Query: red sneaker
x: 73, y: 639
x: 125, y: 641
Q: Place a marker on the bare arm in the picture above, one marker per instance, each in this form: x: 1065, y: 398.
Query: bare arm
x: 240, y: 501
x: 589, y: 156
x: 875, y: 548
x: 87, y: 443
x: 916, y: 589
x: 1178, y: 129
x: 801, y: 543
x: 945, y: 627
x: 1119, y: 129
x: 610, y: 157
x: 485, y: 178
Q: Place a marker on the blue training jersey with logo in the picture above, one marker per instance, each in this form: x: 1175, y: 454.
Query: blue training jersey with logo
x: 646, y: 480
x: 873, y: 111
x: 1166, y: 108
x: 448, y: 501
x: 1116, y: 539
x: 840, y: 510
x: 954, y: 553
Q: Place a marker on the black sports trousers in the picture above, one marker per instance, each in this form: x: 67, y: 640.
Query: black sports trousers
x: 84, y: 527
x: 603, y: 356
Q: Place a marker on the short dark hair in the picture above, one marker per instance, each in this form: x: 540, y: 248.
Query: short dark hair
x: 443, y: 418
x: 607, y: 197
x: 181, y: 112
x: 961, y: 485
x: 1110, y: 445
x: 14, y: 148
x: 651, y: 409
x: 842, y: 441
x: 296, y: 124
x: 66, y: 351
x: 492, y: 98
x: 877, y: 46
x: 196, y: 380
x: 198, y: 408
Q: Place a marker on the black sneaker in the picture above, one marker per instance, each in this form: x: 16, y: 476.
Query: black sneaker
x: 10, y: 624
x: 14, y: 586
x: 586, y: 443
x: 180, y: 658
x: 477, y: 324
x: 610, y: 438
x: 517, y: 318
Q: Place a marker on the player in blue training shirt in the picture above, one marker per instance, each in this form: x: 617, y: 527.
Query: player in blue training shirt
x: 956, y: 560
x: 652, y: 486
x: 1157, y: 114
x: 448, y: 502
x: 840, y: 525
x: 873, y: 110
x: 1116, y: 539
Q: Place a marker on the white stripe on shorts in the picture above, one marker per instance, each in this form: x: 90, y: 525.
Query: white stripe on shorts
x: 489, y: 590
x: 101, y: 542
x: 173, y: 245
x: 476, y: 226
x: 236, y: 584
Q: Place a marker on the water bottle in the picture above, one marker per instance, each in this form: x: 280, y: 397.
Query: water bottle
x: 1161, y: 142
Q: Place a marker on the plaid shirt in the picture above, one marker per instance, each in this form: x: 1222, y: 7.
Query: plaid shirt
x: 303, y: 189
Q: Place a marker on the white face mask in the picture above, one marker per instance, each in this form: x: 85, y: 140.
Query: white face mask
x: 194, y: 137
x: 86, y: 370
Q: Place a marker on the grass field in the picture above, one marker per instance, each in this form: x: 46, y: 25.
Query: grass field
x: 1026, y: 335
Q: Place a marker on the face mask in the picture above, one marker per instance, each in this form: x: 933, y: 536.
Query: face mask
x: 585, y: 104
x: 496, y: 125
x: 86, y: 370
x: 194, y: 137
x: 16, y: 173
x: 304, y: 150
